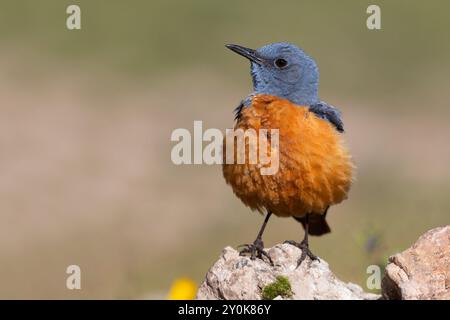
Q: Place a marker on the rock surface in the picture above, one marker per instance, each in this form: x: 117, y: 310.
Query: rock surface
x: 237, y: 277
x: 422, y: 271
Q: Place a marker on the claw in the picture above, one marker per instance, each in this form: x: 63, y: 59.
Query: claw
x: 305, y: 251
x: 256, y: 250
x: 268, y: 257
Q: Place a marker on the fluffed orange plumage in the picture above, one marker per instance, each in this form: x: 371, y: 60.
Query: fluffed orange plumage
x: 315, y: 168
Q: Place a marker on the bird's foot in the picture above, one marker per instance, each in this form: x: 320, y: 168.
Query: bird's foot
x: 304, y: 246
x: 256, y: 250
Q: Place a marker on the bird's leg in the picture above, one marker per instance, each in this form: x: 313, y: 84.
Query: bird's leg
x: 304, y: 245
x: 256, y: 249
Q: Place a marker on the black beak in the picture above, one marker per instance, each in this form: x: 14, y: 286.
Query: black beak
x: 250, y: 54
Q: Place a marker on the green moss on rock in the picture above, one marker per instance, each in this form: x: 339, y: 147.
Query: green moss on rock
x: 281, y: 287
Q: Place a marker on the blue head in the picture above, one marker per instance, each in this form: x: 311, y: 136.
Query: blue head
x: 282, y: 70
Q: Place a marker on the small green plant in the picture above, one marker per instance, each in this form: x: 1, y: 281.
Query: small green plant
x: 281, y: 287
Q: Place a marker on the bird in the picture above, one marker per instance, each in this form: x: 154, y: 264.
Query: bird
x: 315, y: 166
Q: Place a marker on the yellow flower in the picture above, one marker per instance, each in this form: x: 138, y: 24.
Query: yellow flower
x: 182, y: 289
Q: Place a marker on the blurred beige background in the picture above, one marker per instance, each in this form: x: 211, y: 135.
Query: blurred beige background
x: 86, y: 117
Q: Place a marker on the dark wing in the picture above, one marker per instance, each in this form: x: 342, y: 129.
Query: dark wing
x: 244, y: 103
x: 328, y: 112
x: 238, y: 110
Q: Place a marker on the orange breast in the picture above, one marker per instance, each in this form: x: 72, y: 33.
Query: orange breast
x: 315, y: 168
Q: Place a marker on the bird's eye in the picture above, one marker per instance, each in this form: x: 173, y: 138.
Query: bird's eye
x: 281, y: 63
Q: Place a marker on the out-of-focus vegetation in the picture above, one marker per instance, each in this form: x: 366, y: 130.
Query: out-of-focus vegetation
x: 87, y: 117
x: 160, y: 38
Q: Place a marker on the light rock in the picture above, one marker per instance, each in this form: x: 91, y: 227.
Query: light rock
x: 422, y: 271
x: 237, y: 277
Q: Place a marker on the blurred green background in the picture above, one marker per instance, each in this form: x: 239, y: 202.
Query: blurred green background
x: 86, y: 175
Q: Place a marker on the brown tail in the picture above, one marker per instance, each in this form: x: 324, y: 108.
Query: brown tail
x: 317, y: 224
